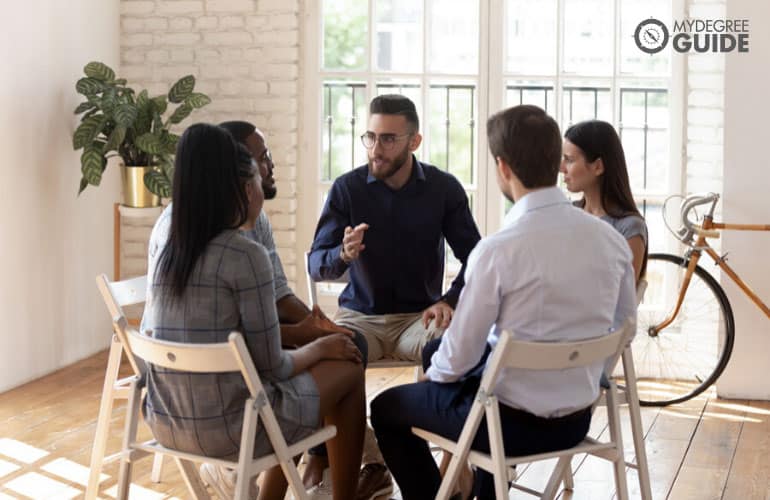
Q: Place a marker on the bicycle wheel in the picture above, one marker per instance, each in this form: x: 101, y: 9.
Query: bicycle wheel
x: 685, y: 358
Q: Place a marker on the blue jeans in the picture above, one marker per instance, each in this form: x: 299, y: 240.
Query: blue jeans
x: 360, y: 342
x: 443, y: 409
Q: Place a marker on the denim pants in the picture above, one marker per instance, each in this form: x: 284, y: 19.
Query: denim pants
x: 443, y: 409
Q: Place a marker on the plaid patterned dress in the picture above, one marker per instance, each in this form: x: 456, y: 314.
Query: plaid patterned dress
x: 230, y: 288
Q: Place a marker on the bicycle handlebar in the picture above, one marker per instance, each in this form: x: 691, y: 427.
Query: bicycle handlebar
x: 692, y: 227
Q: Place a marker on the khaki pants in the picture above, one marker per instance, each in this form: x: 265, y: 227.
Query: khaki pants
x: 393, y: 336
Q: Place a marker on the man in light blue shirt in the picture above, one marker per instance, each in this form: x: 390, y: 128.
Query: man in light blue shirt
x: 552, y: 273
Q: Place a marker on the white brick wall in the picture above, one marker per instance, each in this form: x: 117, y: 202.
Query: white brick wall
x: 705, y: 109
x: 245, y: 56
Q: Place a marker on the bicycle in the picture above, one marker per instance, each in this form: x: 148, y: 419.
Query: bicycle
x: 681, y: 350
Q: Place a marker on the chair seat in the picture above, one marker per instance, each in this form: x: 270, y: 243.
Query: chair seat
x: 262, y: 463
x: 588, y: 445
x: 392, y: 363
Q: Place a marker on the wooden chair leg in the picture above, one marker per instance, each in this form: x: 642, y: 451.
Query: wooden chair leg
x: 191, y: 478
x: 637, y: 427
x: 157, y: 468
x: 103, y: 419
x: 129, y: 437
x: 619, y: 463
x: 561, y: 470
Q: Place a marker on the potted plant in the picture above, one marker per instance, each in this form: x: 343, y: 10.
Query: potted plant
x: 118, y: 121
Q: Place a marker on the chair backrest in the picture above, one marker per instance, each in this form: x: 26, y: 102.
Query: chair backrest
x: 641, y: 287
x: 510, y: 353
x: 223, y: 357
x: 119, y: 294
x: 312, y: 286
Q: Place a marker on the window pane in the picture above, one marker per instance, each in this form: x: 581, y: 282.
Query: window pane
x: 530, y: 36
x: 536, y: 93
x: 588, y: 36
x: 452, y: 129
x: 644, y: 117
x: 398, y: 41
x: 633, y: 60
x: 586, y: 102
x: 454, y: 36
x: 345, y: 27
x: 344, y: 121
x: 657, y: 233
x: 410, y: 88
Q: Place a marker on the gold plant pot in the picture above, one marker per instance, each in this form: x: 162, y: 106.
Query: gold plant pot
x: 135, y: 194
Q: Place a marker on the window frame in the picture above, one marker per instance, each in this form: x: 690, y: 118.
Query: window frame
x: 490, y: 95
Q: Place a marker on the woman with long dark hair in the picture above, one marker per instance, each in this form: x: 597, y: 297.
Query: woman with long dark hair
x: 209, y: 280
x: 593, y: 163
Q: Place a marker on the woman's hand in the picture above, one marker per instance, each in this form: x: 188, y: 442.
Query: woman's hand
x: 338, y: 346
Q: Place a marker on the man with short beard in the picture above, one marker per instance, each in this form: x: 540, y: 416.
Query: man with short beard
x: 385, y: 223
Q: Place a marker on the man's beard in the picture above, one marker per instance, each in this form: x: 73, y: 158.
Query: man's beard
x: 395, y: 165
x: 269, y: 191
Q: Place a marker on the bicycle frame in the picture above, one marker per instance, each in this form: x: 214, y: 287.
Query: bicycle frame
x: 710, y: 229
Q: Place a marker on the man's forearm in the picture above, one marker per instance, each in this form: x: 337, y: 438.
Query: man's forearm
x: 291, y: 310
x: 295, y: 336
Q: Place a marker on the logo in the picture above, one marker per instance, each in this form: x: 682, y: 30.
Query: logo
x: 651, y: 36
x: 693, y: 35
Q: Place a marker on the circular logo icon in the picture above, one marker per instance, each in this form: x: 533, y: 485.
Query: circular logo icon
x: 651, y: 36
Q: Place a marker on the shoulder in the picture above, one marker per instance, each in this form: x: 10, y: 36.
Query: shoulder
x: 163, y: 223
x: 234, y: 244
x: 356, y: 176
x: 629, y: 226
x: 442, y: 180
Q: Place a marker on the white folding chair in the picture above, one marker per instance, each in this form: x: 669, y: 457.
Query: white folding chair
x: 225, y: 357
x: 116, y: 295
x: 312, y: 292
x: 628, y: 395
x: 511, y: 353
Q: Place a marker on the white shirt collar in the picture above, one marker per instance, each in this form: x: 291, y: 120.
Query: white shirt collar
x: 533, y: 201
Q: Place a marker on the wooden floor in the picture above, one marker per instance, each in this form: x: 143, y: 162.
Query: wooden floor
x: 704, y: 449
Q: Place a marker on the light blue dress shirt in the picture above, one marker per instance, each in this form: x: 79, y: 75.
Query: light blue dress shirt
x: 553, y: 273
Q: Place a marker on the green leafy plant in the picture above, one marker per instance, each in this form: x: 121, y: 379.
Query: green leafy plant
x: 118, y: 121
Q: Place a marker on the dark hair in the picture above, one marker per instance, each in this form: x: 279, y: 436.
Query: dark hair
x: 396, y: 104
x: 529, y: 142
x: 239, y: 129
x: 598, y: 139
x: 209, y: 197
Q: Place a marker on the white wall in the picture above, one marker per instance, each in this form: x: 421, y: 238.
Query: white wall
x: 746, y: 183
x: 245, y: 55
x: 52, y: 243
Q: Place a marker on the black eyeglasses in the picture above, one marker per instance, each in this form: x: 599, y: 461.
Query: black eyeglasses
x: 387, y: 141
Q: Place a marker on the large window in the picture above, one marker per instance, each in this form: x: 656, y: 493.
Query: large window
x: 461, y: 60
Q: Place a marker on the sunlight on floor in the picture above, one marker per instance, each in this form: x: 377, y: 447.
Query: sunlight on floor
x: 52, y: 479
x: 36, y: 485
x: 21, y: 451
x: 7, y: 467
x: 137, y: 493
x: 70, y: 470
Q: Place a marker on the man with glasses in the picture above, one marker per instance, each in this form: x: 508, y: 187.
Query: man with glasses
x: 385, y: 223
x: 299, y: 325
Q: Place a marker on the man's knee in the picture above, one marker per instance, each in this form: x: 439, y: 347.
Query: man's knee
x: 383, y: 408
x: 427, y: 352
